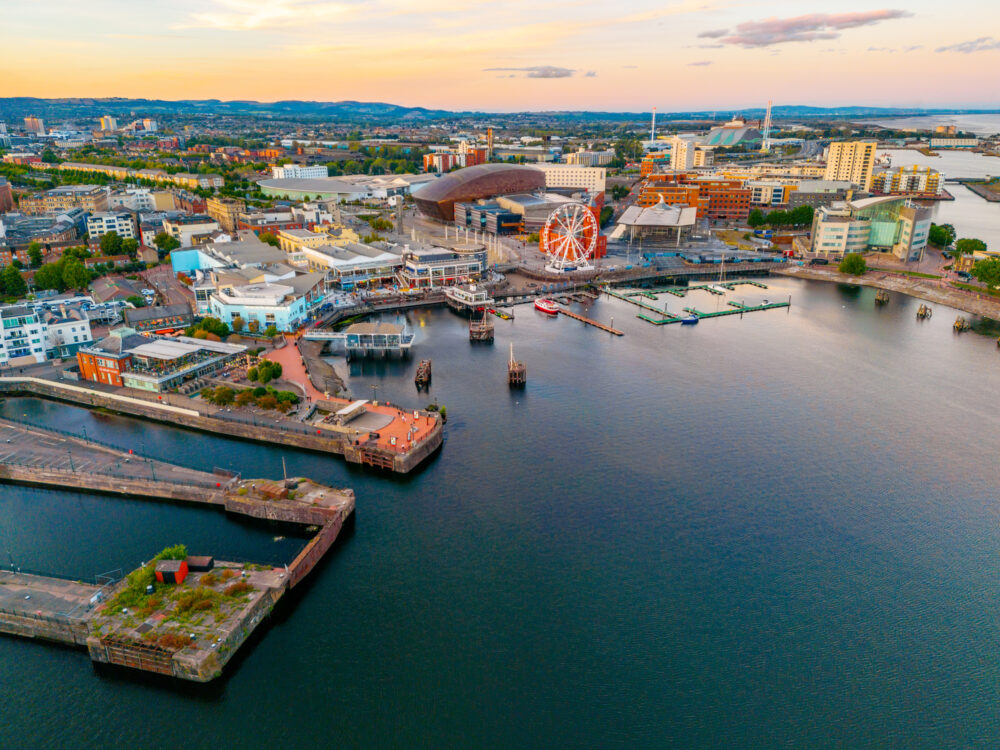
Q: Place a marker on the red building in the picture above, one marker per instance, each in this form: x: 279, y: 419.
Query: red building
x: 7, y: 256
x: 104, y: 361
x: 717, y: 199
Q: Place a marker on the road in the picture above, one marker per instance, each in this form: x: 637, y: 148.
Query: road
x: 170, y: 289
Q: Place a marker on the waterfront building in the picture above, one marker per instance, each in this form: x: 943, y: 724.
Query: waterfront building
x: 915, y: 180
x: 886, y: 224
x: 660, y: 223
x: 347, y: 188
x: 225, y: 211
x: 285, y: 304
x: 954, y: 142
x: 103, y: 223
x: 128, y: 359
x: 428, y: 266
x: 482, y: 182
x: 353, y: 264
x: 91, y: 198
x: 367, y: 339
x: 67, y: 329
x: 299, y: 172
x: 852, y: 161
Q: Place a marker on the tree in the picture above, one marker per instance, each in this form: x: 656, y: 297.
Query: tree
x: 12, y: 282
x: 269, y: 238
x: 49, y: 156
x: 237, y: 324
x: 756, y: 219
x: 35, y: 254
x: 619, y: 191
x: 74, y: 275
x: 244, y: 398
x: 941, y: 235
x: 854, y: 264
x: 628, y: 149
x: 135, y: 300
x: 49, y: 276
x: 111, y: 244
x: 271, y: 330
x: 224, y: 395
x: 130, y: 247
x: 267, y: 402
x: 987, y: 271
x: 166, y: 242
x: 253, y: 326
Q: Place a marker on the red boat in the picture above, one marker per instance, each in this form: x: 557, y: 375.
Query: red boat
x: 547, y: 306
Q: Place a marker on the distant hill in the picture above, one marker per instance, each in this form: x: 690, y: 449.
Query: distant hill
x: 14, y: 108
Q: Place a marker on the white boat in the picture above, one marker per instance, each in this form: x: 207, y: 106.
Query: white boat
x: 468, y: 299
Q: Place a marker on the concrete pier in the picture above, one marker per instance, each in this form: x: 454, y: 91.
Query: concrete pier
x: 188, y: 630
x: 355, y: 447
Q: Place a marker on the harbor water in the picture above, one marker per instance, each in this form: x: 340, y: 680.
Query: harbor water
x: 774, y: 530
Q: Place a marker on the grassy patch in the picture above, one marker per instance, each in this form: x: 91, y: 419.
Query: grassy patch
x: 977, y: 289
x: 987, y: 327
x: 916, y: 274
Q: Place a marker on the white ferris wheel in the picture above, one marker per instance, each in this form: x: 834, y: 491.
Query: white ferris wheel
x: 570, y: 238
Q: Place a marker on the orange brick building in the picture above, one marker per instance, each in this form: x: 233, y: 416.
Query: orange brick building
x: 717, y: 199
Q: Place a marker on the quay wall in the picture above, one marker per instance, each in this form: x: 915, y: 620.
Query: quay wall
x: 189, y: 418
x: 61, y: 478
x: 59, y: 629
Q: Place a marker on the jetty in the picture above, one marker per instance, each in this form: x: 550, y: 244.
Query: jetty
x: 734, y: 308
x: 924, y: 312
x: 517, y: 374
x: 179, y: 616
x: 590, y: 322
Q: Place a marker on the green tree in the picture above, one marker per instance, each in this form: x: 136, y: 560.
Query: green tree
x: 50, y: 276
x: 224, y: 395
x: 166, y: 242
x: 35, y: 254
x: 269, y: 238
x: 628, y: 149
x: 136, y: 300
x: 941, y: 235
x: 619, y: 191
x: 237, y: 324
x: 987, y: 271
x: 49, y: 156
x: 111, y: 244
x: 854, y: 264
x: 130, y: 247
x: 12, y: 282
x: 75, y: 275
x: 756, y: 219
x: 271, y: 330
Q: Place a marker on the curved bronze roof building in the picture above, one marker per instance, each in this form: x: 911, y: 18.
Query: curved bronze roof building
x: 438, y: 199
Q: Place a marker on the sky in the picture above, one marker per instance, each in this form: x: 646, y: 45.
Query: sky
x: 514, y: 55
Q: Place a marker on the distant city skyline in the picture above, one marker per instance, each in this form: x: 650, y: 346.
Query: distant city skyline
x: 474, y: 55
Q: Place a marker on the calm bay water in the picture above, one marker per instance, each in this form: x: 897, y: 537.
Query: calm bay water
x: 978, y: 124
x: 780, y: 530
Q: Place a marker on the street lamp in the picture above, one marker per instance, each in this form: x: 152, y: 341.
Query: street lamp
x: 374, y: 392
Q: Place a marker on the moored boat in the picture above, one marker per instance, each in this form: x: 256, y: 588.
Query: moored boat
x: 547, y: 306
x: 690, y: 320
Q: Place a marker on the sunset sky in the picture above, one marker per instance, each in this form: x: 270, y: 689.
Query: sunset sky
x: 513, y: 55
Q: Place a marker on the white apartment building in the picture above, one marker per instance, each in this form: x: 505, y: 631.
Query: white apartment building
x: 66, y: 330
x: 137, y: 199
x: 298, y: 172
x: 571, y: 176
x: 954, y: 142
x: 24, y: 339
x: 102, y: 223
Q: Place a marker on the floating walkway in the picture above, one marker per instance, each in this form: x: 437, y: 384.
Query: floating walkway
x: 736, y: 308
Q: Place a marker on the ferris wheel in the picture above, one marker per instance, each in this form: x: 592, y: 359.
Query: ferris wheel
x: 569, y: 239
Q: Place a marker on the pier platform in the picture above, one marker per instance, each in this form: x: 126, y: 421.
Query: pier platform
x: 590, y: 322
x: 185, y: 631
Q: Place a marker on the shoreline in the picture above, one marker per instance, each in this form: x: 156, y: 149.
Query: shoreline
x: 929, y: 290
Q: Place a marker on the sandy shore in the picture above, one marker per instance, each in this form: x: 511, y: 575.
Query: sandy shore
x: 938, y: 291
